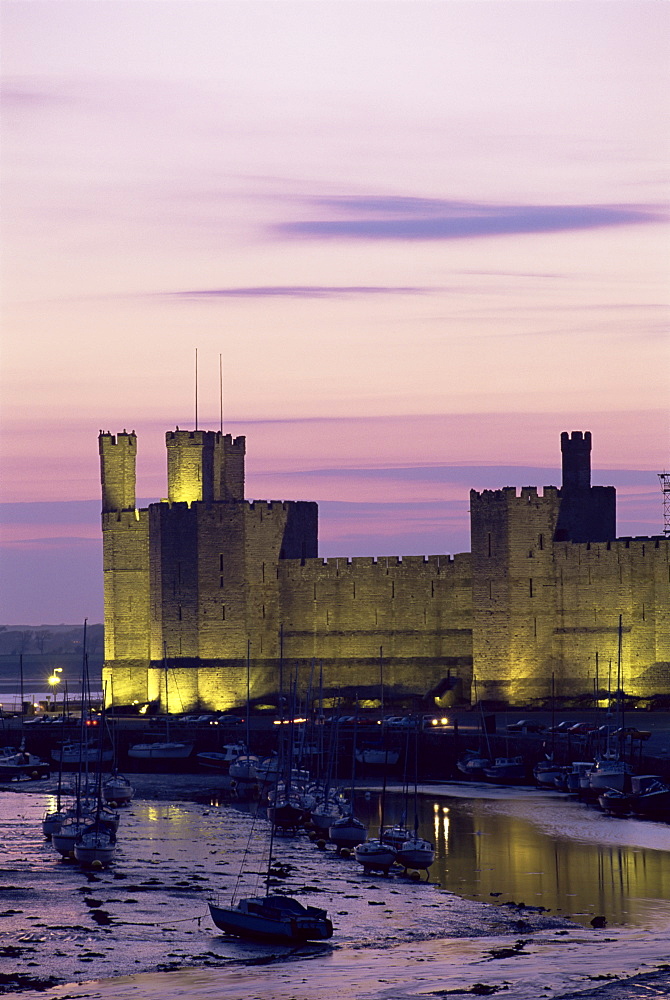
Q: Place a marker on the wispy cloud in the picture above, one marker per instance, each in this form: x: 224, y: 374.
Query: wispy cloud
x: 400, y: 218
x: 298, y: 291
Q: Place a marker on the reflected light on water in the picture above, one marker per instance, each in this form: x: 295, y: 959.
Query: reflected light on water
x: 542, y: 853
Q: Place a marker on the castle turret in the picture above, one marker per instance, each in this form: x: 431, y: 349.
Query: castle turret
x: 588, y: 513
x: 125, y: 546
x: 117, y: 470
x: 204, y: 465
x: 576, y: 455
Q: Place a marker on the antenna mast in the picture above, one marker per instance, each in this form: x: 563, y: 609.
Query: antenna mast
x: 196, y: 388
x: 664, y: 478
x: 221, y: 390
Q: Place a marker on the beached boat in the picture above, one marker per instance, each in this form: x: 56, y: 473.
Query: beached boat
x: 606, y: 774
x: 375, y: 856
x: 472, y: 765
x: 416, y: 853
x: 273, y: 918
x: 95, y: 845
x: 17, y: 764
x: 72, y: 753
x: 650, y: 796
x: 506, y: 770
x: 118, y: 789
x: 161, y: 750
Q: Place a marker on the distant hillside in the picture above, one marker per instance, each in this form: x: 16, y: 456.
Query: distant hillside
x: 49, y: 639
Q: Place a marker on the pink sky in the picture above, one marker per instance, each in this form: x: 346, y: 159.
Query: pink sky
x: 425, y: 238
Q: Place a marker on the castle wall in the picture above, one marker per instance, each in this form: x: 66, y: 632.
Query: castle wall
x: 409, y: 616
x: 513, y: 592
x: 208, y: 583
x: 597, y: 583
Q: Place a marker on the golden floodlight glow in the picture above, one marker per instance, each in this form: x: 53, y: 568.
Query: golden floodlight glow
x: 55, y: 679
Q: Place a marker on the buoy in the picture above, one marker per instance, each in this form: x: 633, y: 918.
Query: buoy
x: 599, y: 922
x: 367, y: 796
x: 345, y: 852
x: 97, y: 865
x: 321, y: 844
x: 112, y: 804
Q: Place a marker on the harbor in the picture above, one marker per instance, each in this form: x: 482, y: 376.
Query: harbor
x: 520, y: 876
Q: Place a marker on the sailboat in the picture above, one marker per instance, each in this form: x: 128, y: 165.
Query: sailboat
x: 347, y: 830
x: 166, y: 749
x: 415, y: 852
x: 376, y: 854
x: 269, y: 916
x: 95, y: 845
x: 53, y: 818
x: 611, y: 771
x: 473, y: 762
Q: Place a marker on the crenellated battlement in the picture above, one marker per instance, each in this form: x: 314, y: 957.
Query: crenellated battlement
x: 509, y: 494
x: 370, y: 567
x: 118, y: 454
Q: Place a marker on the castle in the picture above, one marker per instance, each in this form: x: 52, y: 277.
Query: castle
x: 213, y: 595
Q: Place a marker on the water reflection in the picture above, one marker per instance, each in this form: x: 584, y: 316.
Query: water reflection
x: 550, y: 858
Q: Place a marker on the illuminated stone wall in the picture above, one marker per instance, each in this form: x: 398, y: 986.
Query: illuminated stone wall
x: 542, y: 607
x: 207, y: 582
x: 417, y: 610
x: 513, y: 592
x: 125, y: 534
x: 597, y: 582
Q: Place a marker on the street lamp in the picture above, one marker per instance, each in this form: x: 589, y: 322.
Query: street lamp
x: 54, y: 681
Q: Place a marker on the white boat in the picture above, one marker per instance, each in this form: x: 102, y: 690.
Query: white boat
x: 374, y: 855
x: 63, y: 839
x: 395, y: 836
x: 243, y: 768
x: 272, y: 918
x: 346, y: 832
x: 117, y: 789
x: 416, y: 853
x: 73, y: 754
x: 95, y: 845
x: 52, y: 822
x: 610, y: 774
x: 17, y: 764
x: 507, y: 770
x: 548, y: 773
x: 472, y: 765
x: 161, y: 750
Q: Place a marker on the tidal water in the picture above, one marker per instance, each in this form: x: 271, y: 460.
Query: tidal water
x: 512, y: 866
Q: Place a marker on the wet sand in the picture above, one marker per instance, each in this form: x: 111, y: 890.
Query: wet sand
x: 394, y: 939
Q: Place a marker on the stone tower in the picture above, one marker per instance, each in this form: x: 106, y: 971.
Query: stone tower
x: 125, y: 547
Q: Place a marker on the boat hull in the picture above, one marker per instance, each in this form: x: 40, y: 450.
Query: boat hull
x: 160, y: 751
x: 375, y: 856
x: 272, y: 919
x: 417, y: 854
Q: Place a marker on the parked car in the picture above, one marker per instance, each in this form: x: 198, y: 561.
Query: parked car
x: 226, y: 720
x: 400, y: 722
x: 525, y: 726
x: 195, y: 720
x: 582, y: 728
x: 434, y: 721
x: 562, y: 727
x: 630, y: 732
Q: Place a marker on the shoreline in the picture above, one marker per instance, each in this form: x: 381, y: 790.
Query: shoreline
x: 488, y: 946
